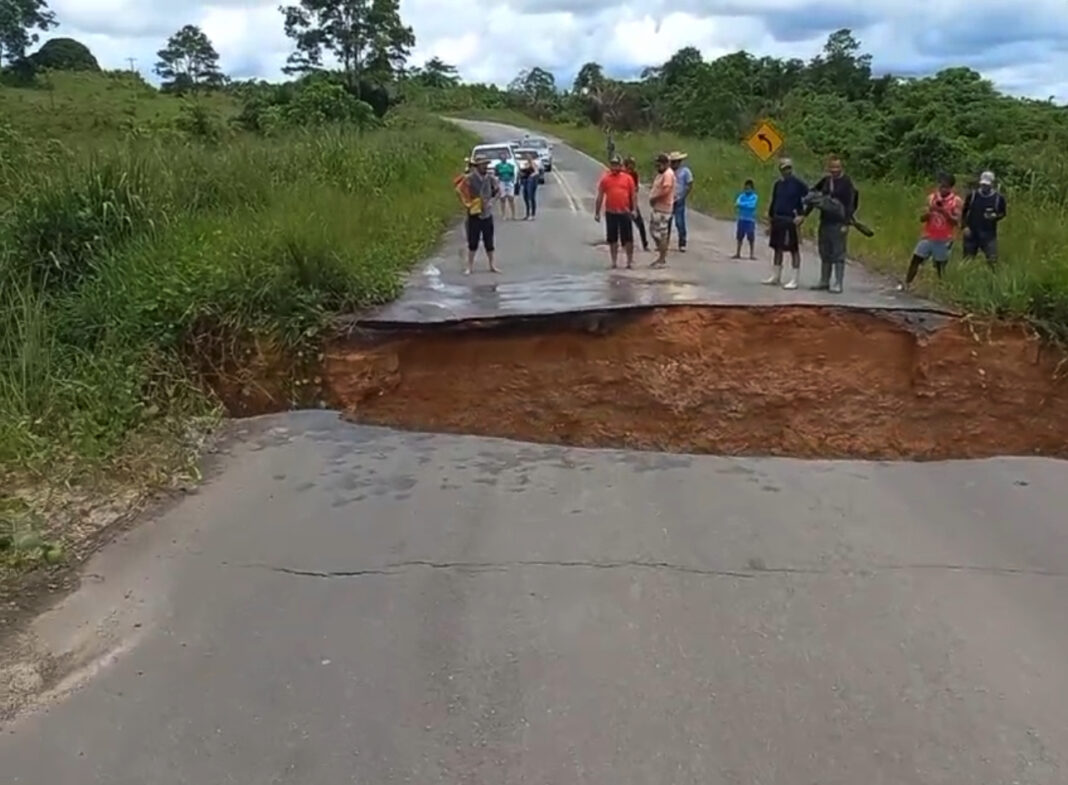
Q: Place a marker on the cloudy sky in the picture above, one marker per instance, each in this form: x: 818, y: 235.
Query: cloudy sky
x: 1024, y: 48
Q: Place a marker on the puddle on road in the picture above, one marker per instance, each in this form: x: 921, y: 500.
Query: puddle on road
x: 789, y: 381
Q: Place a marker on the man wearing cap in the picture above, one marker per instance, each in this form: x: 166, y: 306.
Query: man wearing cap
x: 984, y: 208
x: 616, y: 194
x: 477, y: 192
x: 683, y: 186
x: 834, y: 227
x: 785, y: 213
x: 661, y: 203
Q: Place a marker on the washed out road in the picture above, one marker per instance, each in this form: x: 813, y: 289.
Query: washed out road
x: 346, y: 604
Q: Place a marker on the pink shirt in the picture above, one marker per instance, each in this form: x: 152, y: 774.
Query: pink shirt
x: 662, y: 196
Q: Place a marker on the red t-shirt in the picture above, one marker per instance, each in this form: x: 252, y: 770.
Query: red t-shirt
x: 938, y: 226
x: 617, y: 188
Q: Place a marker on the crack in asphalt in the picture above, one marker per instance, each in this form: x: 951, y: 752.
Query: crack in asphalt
x: 394, y: 568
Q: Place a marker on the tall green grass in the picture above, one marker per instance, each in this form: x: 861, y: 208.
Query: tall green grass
x: 115, y: 263
x: 1031, y: 284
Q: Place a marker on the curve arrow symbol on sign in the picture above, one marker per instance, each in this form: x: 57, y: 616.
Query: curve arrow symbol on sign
x: 765, y: 140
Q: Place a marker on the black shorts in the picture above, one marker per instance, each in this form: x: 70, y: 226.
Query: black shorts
x: 784, y: 235
x: 974, y: 243
x: 479, y: 228
x: 618, y: 228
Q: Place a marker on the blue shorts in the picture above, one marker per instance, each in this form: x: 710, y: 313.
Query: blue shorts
x: 746, y: 230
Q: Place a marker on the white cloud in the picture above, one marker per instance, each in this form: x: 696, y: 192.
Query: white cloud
x: 1023, y: 49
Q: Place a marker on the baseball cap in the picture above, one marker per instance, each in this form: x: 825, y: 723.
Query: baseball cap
x: 663, y: 158
x: 786, y: 163
x: 615, y: 159
x: 986, y: 178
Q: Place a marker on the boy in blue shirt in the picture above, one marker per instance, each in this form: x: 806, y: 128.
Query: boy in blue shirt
x: 745, y: 206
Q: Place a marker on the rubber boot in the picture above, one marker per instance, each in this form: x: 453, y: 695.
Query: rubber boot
x: 839, y: 274
x: 825, y: 277
x: 792, y: 283
x: 776, y: 277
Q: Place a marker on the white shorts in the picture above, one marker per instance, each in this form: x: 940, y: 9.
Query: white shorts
x: 507, y: 189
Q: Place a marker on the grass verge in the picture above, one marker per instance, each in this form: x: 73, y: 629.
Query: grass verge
x: 128, y: 274
x: 1032, y: 283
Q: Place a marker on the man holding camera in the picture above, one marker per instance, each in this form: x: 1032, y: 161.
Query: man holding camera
x: 940, y: 220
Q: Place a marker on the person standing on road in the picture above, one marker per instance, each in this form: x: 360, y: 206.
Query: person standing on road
x: 460, y: 177
x: 940, y: 219
x: 785, y: 214
x: 609, y: 143
x: 529, y: 172
x: 631, y: 168
x: 745, y: 206
x: 477, y: 192
x: 984, y: 208
x: 616, y: 193
x: 834, y: 228
x: 683, y: 187
x: 661, y: 203
x: 506, y: 175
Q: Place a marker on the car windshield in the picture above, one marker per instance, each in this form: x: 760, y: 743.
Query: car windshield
x: 535, y: 142
x: 527, y: 153
x: 492, y: 153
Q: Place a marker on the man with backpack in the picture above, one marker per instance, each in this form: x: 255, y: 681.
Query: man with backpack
x: 984, y: 208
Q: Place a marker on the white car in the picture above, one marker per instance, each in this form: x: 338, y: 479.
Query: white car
x: 492, y: 153
x: 542, y: 145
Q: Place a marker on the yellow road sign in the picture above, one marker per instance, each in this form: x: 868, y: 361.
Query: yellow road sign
x: 765, y: 141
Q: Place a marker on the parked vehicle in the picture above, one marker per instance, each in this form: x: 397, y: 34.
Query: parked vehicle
x: 542, y: 145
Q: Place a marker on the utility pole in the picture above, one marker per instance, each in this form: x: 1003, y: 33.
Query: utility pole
x: 133, y: 62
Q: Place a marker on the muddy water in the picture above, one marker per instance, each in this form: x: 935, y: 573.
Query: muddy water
x: 794, y: 381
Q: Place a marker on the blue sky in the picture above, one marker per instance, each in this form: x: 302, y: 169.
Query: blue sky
x: 1023, y: 49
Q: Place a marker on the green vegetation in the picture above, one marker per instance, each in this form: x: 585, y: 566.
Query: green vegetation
x: 895, y: 136
x: 153, y: 241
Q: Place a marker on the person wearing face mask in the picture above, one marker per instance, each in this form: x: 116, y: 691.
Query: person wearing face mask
x: 984, y: 208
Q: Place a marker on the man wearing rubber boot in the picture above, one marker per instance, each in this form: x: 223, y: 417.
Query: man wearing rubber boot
x: 834, y: 226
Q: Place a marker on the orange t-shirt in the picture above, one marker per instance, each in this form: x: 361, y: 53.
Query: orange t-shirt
x: 938, y: 226
x: 662, y: 196
x: 617, y: 188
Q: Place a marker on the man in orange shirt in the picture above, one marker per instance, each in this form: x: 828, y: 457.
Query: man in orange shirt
x: 615, y: 193
x: 662, y: 204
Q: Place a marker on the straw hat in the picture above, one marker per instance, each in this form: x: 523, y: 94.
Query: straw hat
x: 677, y: 156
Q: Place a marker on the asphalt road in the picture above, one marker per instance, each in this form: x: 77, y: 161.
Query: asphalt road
x: 342, y: 604
x: 558, y: 262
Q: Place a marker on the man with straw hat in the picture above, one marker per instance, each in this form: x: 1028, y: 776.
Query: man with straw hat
x: 661, y: 202
x: 683, y: 187
x: 477, y: 191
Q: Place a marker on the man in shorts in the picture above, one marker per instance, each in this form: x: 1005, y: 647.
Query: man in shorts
x: 940, y: 219
x: 661, y: 204
x: 508, y: 178
x: 984, y: 208
x: 477, y: 192
x: 785, y: 214
x: 616, y: 194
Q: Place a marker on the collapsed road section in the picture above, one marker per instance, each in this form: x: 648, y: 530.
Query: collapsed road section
x: 805, y: 381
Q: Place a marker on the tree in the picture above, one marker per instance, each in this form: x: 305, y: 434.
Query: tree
x: 189, y: 61
x: 390, y: 43
x: 19, y: 21
x: 366, y: 36
x: 437, y: 74
x: 64, y: 54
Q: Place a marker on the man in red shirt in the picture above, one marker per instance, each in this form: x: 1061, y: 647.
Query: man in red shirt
x: 615, y: 193
x: 940, y: 220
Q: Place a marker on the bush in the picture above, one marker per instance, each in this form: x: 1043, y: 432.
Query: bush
x: 64, y: 54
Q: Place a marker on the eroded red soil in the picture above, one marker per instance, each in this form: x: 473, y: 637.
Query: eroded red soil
x: 794, y: 381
